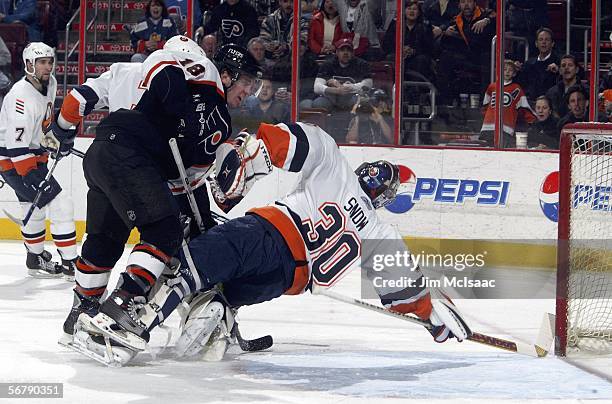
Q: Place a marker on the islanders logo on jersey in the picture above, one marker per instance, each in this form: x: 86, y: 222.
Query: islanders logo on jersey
x: 549, y: 196
x: 455, y: 191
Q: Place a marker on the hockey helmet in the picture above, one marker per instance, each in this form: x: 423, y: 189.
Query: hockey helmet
x: 183, y: 45
x: 236, y: 60
x: 379, y: 180
x: 37, y: 50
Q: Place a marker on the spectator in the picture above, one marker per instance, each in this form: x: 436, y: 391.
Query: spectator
x: 277, y: 30
x: 568, y: 70
x: 607, y: 96
x: 355, y: 18
x: 441, y: 14
x: 309, y: 7
x: 325, y: 29
x: 466, y: 51
x: 209, y: 44
x: 5, y: 69
x: 23, y: 11
x: 281, y: 73
x: 341, y: 78
x: 576, y: 106
x: 179, y: 8
x: 526, y: 17
x: 540, y: 73
x: 257, y: 47
x: 544, y: 133
x: 265, y: 108
x: 372, y: 123
x: 418, y: 40
x: 515, y: 107
x: 235, y: 21
x: 151, y: 33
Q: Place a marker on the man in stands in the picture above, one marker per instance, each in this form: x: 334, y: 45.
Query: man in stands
x: 23, y: 11
x: 466, y: 52
x: 540, y: 73
x: 568, y: 71
x: 235, y: 21
x: 341, y: 78
x: 576, y: 99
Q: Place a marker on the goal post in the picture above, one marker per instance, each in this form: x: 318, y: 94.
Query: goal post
x: 584, y: 248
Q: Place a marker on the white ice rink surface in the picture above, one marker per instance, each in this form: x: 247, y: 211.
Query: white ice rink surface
x: 324, y: 351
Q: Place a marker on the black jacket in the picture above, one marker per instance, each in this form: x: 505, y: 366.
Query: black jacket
x: 535, y: 79
x: 544, y: 132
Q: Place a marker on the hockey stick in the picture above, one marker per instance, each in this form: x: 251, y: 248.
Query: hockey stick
x: 35, y: 201
x: 77, y: 153
x: 538, y: 350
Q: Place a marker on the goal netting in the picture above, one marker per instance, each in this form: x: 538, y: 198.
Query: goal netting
x: 584, y: 267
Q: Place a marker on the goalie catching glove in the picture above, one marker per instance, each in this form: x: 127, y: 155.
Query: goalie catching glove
x: 240, y: 164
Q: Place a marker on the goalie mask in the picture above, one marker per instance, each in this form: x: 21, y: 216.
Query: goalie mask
x: 379, y: 180
x: 37, y: 50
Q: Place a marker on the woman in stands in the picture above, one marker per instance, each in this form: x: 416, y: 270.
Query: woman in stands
x: 543, y: 133
x: 152, y: 32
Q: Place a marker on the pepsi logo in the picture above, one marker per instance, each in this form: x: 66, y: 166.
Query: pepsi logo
x: 549, y: 196
x: 403, y: 201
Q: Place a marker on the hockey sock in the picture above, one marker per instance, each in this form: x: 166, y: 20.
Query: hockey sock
x: 66, y: 244
x: 61, y: 213
x: 34, y: 231
x: 145, y: 265
x: 91, y: 280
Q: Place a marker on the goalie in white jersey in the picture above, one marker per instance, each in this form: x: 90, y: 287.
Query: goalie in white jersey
x: 307, y: 240
x: 26, y: 112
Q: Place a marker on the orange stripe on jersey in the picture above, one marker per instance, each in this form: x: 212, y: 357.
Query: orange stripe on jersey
x: 35, y: 240
x: 421, y: 307
x: 146, y: 275
x: 6, y: 164
x: 89, y: 292
x: 65, y: 243
x: 70, y: 109
x: 295, y: 242
x: 153, y: 251
x: 277, y: 142
x: 209, y: 83
x: 145, y: 82
x: 25, y: 166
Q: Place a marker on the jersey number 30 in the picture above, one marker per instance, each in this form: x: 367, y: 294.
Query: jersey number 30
x: 333, y: 248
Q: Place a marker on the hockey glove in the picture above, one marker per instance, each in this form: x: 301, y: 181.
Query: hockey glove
x: 35, y: 181
x: 224, y: 203
x: 58, y: 141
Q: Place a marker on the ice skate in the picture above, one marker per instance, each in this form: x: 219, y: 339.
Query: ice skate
x: 119, y: 319
x: 81, y: 304
x: 42, y: 266
x: 68, y: 269
x: 87, y: 341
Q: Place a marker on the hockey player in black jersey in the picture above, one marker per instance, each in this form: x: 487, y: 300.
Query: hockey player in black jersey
x: 129, y: 163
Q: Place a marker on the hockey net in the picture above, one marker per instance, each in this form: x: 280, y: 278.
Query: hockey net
x: 584, y: 265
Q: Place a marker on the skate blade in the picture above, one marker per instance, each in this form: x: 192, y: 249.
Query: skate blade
x: 102, y: 324
x: 40, y: 274
x: 196, y: 334
x: 106, y: 355
x: 215, y: 350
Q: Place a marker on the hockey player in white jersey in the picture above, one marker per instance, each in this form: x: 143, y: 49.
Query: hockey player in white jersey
x: 307, y: 240
x: 26, y: 112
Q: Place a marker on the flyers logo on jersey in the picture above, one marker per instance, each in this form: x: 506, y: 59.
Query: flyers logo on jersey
x: 232, y: 28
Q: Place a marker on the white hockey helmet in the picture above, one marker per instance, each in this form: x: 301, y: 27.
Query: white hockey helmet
x: 36, y: 50
x: 184, y: 47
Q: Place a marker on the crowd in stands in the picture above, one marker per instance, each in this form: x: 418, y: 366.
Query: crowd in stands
x: 348, y: 52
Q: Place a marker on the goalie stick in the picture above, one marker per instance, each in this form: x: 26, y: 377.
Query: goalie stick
x: 256, y: 344
x: 538, y: 350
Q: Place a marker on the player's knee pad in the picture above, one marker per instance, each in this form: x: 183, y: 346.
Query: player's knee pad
x: 102, y: 250
x: 61, y: 214
x: 165, y: 234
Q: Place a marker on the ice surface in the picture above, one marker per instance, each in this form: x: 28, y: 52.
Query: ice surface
x: 324, y: 351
